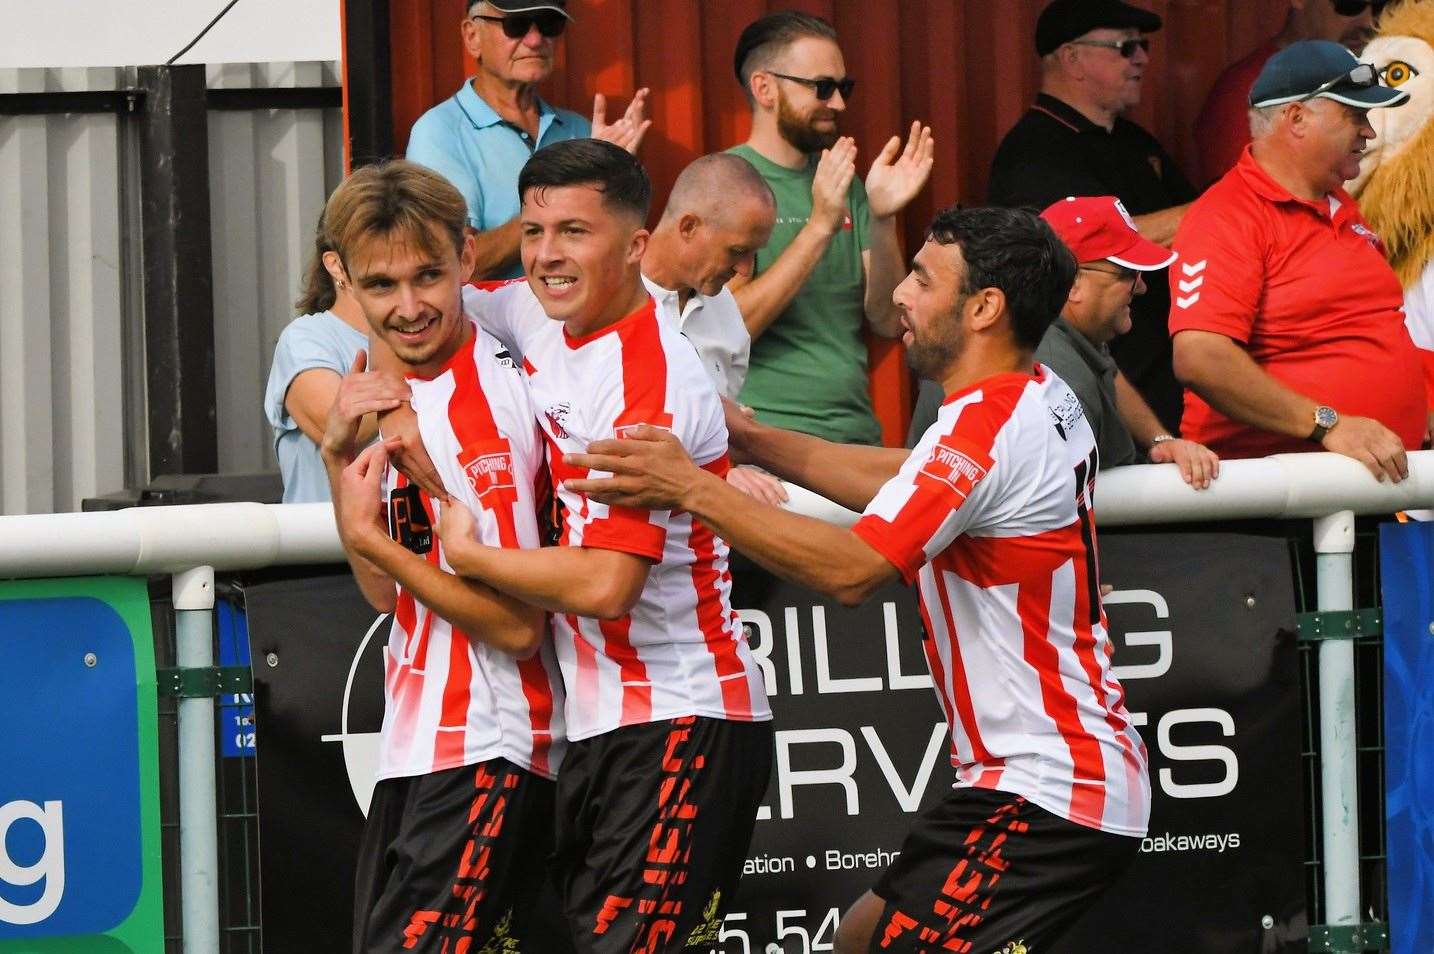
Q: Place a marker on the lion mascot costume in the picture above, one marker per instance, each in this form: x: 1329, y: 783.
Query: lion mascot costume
x: 1395, y: 187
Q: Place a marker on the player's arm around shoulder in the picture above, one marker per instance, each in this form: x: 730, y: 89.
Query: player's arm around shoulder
x: 652, y: 470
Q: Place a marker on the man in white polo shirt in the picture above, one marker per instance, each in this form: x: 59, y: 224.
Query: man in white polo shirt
x: 720, y: 212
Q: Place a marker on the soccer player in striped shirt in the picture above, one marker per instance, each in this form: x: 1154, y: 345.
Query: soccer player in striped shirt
x: 991, y: 514
x: 453, y: 847
x: 670, y: 741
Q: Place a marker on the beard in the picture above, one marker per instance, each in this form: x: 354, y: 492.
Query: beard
x: 797, y: 129
x: 928, y: 358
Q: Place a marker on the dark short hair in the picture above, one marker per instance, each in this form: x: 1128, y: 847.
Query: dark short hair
x: 614, y: 171
x: 773, y: 33
x: 1016, y: 251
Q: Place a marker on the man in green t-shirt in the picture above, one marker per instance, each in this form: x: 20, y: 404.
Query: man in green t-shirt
x: 834, y: 258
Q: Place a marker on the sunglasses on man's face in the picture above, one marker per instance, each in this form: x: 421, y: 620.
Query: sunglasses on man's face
x: 550, y: 23
x: 1353, y: 8
x: 1125, y: 48
x: 824, y: 87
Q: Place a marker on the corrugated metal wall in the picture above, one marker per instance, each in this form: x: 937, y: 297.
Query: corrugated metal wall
x: 269, y: 174
x: 71, y: 322
x: 968, y: 67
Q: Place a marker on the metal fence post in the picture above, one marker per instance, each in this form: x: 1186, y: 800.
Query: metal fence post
x: 193, y: 592
x: 1334, y: 577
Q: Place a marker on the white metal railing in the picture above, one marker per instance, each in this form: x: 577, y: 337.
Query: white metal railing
x: 192, y: 542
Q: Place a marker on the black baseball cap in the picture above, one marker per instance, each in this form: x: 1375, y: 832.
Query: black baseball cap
x: 1321, y: 68
x: 525, y: 6
x: 1064, y: 20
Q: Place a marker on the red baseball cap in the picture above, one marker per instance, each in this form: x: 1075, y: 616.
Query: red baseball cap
x: 1096, y: 227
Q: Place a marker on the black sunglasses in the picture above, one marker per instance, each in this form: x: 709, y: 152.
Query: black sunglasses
x: 1353, y: 8
x: 550, y: 23
x: 824, y: 87
x: 1125, y: 48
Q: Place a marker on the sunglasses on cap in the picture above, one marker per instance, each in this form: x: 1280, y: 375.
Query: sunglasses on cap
x: 1353, y: 8
x: 824, y: 87
x: 550, y: 23
x: 1125, y: 48
x: 1362, y: 76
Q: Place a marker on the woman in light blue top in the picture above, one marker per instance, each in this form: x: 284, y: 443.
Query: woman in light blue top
x: 313, y: 353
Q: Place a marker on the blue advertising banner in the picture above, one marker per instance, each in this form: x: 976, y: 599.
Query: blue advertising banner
x: 1406, y: 560
x: 79, y: 792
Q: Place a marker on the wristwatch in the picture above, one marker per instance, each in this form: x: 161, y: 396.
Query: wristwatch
x: 1325, y: 418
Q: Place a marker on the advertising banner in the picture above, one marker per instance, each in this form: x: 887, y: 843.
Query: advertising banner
x: 1406, y: 561
x: 1204, y: 642
x: 79, y: 788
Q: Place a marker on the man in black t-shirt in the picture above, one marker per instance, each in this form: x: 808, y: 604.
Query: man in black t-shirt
x: 1073, y: 141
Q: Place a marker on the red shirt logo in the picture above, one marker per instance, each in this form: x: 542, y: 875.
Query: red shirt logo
x: 955, y: 468
x: 489, y: 472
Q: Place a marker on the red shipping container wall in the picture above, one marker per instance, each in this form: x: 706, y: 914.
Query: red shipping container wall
x: 966, y: 67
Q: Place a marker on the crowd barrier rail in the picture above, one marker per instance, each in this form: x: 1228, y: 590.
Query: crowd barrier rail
x: 190, y: 543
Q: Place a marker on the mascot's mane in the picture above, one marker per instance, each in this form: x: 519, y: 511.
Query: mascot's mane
x: 1398, y: 198
x: 1398, y: 202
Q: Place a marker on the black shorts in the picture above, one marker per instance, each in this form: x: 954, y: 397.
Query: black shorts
x: 451, y: 855
x: 654, y: 822
x: 988, y: 872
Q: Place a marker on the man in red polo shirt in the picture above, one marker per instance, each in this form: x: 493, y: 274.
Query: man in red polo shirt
x: 1286, y: 317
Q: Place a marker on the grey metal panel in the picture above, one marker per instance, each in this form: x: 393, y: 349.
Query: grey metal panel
x: 61, y: 364
x: 71, y: 346
x: 271, y: 172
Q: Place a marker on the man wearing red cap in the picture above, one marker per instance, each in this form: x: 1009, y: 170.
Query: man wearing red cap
x: 1113, y: 258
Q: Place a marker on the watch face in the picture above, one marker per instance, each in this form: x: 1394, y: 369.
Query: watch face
x: 1326, y: 417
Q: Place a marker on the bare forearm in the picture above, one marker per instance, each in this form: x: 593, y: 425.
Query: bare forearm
x: 475, y: 608
x: 1137, y: 416
x: 812, y: 553
x: 1160, y: 226
x: 561, y: 579
x: 497, y: 250
x: 883, y: 273
x: 849, y: 474
x: 1228, y: 379
x: 765, y: 297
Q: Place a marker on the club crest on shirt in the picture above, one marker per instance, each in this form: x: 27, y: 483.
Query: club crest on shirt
x: 489, y: 472
x: 505, y: 357
x: 557, y: 416
x: 954, y: 468
x: 1368, y: 234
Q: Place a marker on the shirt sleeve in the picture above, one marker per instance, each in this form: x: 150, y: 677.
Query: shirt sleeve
x: 301, y: 347
x: 1218, y: 275
x: 507, y: 310
x: 433, y: 146
x: 946, y: 487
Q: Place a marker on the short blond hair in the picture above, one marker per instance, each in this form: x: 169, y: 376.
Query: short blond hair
x: 398, y: 199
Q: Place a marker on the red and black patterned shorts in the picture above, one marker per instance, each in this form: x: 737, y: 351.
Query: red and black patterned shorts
x: 456, y: 861
x: 986, y: 872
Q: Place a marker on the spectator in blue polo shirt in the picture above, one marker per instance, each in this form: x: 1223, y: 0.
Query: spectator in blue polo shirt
x: 480, y: 137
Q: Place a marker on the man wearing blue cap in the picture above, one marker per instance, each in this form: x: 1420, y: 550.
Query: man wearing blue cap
x: 1286, y: 321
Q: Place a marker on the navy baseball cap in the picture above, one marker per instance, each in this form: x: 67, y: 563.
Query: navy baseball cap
x: 1064, y: 20
x: 1321, y: 68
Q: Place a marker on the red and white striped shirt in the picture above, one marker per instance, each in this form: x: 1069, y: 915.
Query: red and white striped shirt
x: 451, y: 700
x: 681, y: 650
x: 993, y: 515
